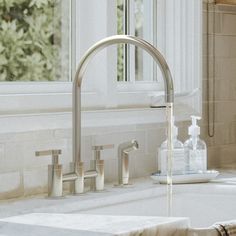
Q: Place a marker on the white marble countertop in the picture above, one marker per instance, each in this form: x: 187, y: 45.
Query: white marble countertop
x: 100, y: 224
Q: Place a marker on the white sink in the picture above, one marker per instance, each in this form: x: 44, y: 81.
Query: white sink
x: 203, y: 209
x: 204, y: 204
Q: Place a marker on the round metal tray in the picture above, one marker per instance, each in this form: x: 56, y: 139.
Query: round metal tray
x: 187, y: 178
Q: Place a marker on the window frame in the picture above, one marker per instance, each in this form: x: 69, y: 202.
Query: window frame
x: 150, y: 30
x: 43, y: 97
x: 135, y: 93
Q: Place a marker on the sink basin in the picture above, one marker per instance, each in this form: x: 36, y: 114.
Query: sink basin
x: 203, y: 204
x: 203, y: 209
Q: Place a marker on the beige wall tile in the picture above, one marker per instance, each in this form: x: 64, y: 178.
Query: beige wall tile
x: 226, y: 68
x: 223, y: 46
x: 213, y: 160
x: 225, y: 111
x: 228, y: 22
x: 227, y: 156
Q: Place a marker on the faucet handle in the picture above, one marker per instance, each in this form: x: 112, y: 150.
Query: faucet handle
x: 102, y: 147
x: 99, y: 148
x: 54, y: 153
x: 55, y: 175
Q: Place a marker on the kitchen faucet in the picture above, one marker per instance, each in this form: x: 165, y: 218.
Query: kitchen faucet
x: 78, y: 174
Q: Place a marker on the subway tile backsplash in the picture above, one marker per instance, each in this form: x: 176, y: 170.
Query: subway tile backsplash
x: 29, y: 173
x: 224, y: 83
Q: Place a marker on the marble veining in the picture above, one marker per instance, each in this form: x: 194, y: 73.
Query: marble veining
x: 107, y: 224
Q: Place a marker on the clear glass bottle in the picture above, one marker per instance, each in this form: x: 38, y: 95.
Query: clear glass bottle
x: 195, y: 149
x: 178, y: 162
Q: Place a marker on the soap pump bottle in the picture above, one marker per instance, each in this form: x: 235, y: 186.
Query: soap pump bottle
x: 178, y: 158
x: 195, y: 149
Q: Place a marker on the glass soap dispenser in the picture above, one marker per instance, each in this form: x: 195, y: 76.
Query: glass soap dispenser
x: 178, y: 161
x: 195, y: 149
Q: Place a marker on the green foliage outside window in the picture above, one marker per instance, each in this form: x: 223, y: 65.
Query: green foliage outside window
x: 30, y: 38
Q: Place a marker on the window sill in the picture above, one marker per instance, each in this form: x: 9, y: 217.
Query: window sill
x: 23, y: 98
x: 90, y: 119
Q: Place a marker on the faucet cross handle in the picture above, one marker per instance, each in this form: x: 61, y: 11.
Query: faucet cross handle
x: 102, y: 147
x: 97, y: 183
x: 99, y: 148
x: 55, y: 179
x: 54, y: 153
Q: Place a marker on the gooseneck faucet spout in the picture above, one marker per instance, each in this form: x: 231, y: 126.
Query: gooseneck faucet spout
x: 117, y: 39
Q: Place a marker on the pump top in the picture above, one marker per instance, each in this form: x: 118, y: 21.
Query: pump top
x: 194, y: 129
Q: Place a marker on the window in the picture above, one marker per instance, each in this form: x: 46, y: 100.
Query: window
x: 71, y: 27
x: 138, y: 18
x: 32, y: 45
x: 35, y: 73
x: 126, y: 76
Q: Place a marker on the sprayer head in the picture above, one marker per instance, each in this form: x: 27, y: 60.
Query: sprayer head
x: 129, y: 146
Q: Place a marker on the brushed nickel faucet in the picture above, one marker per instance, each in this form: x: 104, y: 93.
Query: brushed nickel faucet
x: 123, y: 160
x: 78, y: 173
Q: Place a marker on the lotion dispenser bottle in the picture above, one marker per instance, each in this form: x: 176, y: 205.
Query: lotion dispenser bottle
x: 195, y: 149
x: 178, y: 162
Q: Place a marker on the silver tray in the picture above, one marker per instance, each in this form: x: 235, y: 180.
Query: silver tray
x: 187, y: 178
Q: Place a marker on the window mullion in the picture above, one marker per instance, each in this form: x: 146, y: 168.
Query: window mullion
x: 111, y: 78
x: 126, y: 24
x: 72, y: 48
x: 184, y: 43
x: 178, y: 66
x: 161, y: 35
x: 132, y: 48
x: 154, y: 28
x: 147, y: 35
x: 169, y: 36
